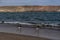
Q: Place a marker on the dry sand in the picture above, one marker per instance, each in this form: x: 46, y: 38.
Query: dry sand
x: 10, y: 36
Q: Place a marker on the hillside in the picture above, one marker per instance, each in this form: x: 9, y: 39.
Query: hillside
x: 29, y: 8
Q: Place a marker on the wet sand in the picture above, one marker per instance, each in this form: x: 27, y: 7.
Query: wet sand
x: 43, y: 33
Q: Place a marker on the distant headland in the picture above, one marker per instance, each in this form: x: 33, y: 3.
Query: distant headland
x: 29, y: 8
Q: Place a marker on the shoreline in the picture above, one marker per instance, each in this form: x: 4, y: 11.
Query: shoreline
x: 29, y: 8
x: 30, y: 25
x: 27, y: 11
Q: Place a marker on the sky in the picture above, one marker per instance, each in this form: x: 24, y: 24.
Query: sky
x: 29, y: 2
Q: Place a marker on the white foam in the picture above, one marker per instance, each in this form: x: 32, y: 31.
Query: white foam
x: 52, y: 24
x: 25, y: 23
x: 19, y: 23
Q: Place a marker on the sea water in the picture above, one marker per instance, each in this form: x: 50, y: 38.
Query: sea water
x: 31, y: 17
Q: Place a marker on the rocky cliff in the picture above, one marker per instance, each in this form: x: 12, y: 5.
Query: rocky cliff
x: 29, y: 8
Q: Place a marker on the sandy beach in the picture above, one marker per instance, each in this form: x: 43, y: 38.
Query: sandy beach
x: 44, y: 34
x: 10, y: 36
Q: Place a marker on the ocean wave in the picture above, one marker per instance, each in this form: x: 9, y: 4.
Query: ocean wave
x: 19, y: 23
x: 30, y: 23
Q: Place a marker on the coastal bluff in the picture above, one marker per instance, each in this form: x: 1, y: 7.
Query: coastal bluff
x: 29, y: 8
